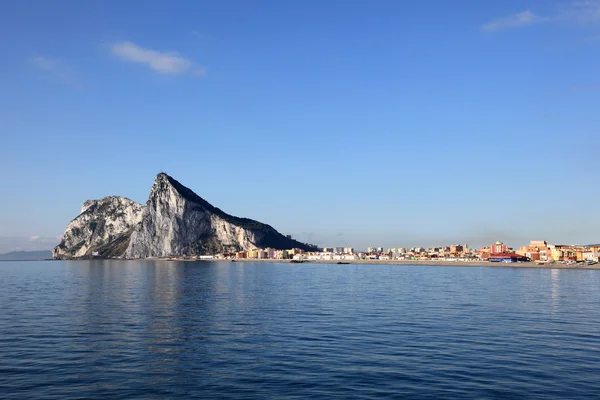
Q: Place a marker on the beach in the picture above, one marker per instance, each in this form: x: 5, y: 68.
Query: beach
x: 555, y: 265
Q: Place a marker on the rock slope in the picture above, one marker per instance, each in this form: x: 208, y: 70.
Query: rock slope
x: 101, y: 226
x: 174, y: 222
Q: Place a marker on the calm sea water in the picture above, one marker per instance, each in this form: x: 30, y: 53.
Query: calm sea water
x: 151, y: 329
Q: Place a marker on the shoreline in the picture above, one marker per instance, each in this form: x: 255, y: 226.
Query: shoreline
x: 556, y: 265
x: 411, y: 262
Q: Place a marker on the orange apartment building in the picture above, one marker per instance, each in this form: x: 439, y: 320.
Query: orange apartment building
x: 538, y: 250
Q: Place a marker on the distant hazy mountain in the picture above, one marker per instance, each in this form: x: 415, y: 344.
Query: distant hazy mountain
x: 26, y: 255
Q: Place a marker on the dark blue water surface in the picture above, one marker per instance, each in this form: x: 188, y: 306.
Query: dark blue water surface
x: 155, y: 329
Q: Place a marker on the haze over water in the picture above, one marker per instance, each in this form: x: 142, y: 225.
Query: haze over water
x: 154, y: 329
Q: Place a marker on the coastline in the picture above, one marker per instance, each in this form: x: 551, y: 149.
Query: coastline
x: 411, y: 262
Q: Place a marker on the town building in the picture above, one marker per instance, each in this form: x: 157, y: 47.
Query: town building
x: 456, y: 248
x: 538, y: 250
x: 508, y: 258
x: 498, y: 248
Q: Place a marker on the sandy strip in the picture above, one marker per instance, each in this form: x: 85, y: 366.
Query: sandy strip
x: 430, y: 263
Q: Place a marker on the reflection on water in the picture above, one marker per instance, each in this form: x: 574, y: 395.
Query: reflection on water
x: 156, y: 329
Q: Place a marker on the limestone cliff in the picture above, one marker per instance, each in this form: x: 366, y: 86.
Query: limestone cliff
x: 103, y: 226
x: 174, y: 222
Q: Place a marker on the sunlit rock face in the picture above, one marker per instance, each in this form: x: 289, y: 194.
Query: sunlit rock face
x: 102, y: 227
x: 174, y: 222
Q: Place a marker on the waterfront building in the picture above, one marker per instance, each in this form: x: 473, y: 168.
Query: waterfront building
x: 456, y: 248
x: 557, y: 253
x: 593, y: 256
x: 295, y: 251
x: 503, y: 257
x: 538, y: 250
x: 271, y: 253
x: 498, y: 248
x: 562, y: 252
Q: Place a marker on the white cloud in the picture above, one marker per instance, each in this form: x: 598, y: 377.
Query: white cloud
x: 33, y: 238
x: 580, y: 12
x: 161, y: 62
x: 56, y: 69
x: 514, y: 21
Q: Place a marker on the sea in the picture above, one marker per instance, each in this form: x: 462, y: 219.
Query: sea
x: 243, y: 330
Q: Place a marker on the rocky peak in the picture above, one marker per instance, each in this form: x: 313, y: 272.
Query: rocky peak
x: 174, y: 222
x: 161, y: 184
x: 164, y: 184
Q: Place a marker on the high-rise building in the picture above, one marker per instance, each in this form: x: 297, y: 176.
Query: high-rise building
x: 498, y: 248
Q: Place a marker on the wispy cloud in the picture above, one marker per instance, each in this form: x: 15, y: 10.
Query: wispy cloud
x: 162, y: 62
x: 520, y: 19
x: 57, y: 70
x: 579, y: 12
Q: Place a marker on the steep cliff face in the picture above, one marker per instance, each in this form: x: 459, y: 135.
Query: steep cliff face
x: 103, y: 226
x: 174, y: 222
x: 178, y: 222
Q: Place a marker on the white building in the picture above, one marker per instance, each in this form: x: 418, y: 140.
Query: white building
x: 346, y: 257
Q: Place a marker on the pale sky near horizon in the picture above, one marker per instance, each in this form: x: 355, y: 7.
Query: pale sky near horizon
x: 350, y: 123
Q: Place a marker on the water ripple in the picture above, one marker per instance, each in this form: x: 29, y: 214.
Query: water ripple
x: 150, y: 329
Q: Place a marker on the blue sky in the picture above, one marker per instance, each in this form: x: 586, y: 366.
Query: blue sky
x: 392, y: 123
